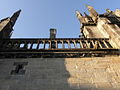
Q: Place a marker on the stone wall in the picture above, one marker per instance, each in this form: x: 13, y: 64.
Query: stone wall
x: 97, y: 73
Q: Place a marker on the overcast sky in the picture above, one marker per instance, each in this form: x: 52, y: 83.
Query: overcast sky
x: 38, y: 16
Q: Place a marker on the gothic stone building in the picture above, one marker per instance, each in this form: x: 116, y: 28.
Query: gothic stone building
x: 90, y: 62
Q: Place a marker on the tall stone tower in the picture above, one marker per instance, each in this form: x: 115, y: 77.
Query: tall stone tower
x: 90, y: 62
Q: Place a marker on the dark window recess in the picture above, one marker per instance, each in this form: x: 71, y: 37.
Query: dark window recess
x: 114, y: 20
x: 19, y: 68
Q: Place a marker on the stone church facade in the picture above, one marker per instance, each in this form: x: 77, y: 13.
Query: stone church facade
x: 90, y: 62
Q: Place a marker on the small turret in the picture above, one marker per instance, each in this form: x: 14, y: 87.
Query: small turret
x: 93, y: 13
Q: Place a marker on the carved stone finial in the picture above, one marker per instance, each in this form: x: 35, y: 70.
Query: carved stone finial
x: 80, y: 17
x: 92, y: 11
x: 89, y: 19
x: 108, y: 10
x: 117, y: 12
x: 78, y: 14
